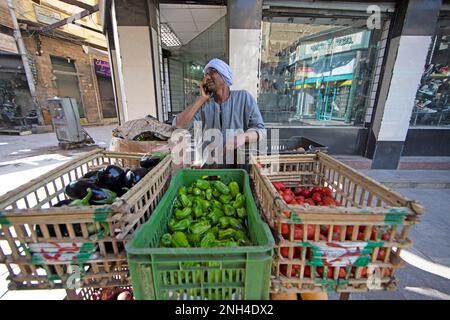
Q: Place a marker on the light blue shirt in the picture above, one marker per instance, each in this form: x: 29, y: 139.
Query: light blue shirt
x: 239, y: 111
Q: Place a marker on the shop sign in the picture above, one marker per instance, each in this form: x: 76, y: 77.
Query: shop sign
x: 46, y: 16
x: 102, y: 68
x: 354, y: 41
x: 8, y: 43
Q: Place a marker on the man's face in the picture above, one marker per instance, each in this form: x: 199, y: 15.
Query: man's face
x: 213, y: 80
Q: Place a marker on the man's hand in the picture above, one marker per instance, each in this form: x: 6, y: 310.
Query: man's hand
x: 203, y: 95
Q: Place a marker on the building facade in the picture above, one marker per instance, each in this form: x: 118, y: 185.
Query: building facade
x: 363, y: 78
x: 70, y: 61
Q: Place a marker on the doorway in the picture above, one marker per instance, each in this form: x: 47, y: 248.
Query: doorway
x: 67, y: 81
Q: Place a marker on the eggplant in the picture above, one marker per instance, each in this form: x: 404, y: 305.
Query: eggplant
x: 151, y: 160
x: 132, y: 177
x: 61, y: 203
x: 92, y: 176
x: 77, y: 189
x: 112, y: 178
x: 102, y: 196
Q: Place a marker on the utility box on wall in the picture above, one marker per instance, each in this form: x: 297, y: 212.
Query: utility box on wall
x: 66, y: 122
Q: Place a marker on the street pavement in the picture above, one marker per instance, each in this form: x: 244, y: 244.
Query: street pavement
x: 426, y: 275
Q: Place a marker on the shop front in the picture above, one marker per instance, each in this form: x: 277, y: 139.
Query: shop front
x: 431, y: 113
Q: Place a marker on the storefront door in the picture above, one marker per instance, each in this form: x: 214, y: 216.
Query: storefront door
x: 67, y: 81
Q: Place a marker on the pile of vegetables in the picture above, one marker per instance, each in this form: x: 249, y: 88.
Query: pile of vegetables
x: 105, y: 185
x: 207, y: 214
x: 316, y: 196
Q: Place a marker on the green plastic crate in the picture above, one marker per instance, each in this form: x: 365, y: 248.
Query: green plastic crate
x: 238, y: 273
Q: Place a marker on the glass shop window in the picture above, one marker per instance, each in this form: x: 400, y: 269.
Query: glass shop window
x: 432, y: 103
x: 317, y: 74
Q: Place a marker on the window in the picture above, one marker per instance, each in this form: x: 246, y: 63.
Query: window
x: 432, y: 103
x: 317, y: 74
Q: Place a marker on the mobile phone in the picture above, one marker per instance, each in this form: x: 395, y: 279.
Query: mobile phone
x: 205, y: 88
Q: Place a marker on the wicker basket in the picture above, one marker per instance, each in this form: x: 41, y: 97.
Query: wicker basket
x: 371, y: 220
x: 65, y: 251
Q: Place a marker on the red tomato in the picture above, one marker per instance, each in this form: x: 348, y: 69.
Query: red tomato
x: 381, y: 254
x: 324, y: 230
x: 285, y: 230
x: 307, y: 272
x: 298, y: 191
x: 336, y: 233
x: 342, y: 273
x: 288, y: 198
x: 316, y: 197
x: 297, y: 252
x: 349, y: 233
x: 323, y: 238
x: 316, y: 190
x: 310, y: 202
x: 306, y: 193
x: 298, y: 232
x: 300, y: 198
x: 294, y: 202
x: 386, y: 236
x: 326, y: 191
x: 328, y: 201
x: 284, y: 252
x: 387, y: 273
x: 320, y: 270
x: 364, y: 272
x: 279, y: 186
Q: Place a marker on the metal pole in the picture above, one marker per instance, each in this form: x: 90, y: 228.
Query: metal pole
x: 26, y: 65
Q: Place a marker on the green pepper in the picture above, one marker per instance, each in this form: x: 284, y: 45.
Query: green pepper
x: 196, y: 191
x: 189, y: 190
x: 182, y: 214
x: 229, y: 210
x: 215, y: 215
x: 207, y: 240
x: 239, y: 236
x: 182, y: 190
x: 221, y: 187
x: 82, y: 202
x: 185, y: 201
x: 166, y: 240
x: 239, y: 202
x: 224, y: 222
x: 202, y: 184
x: 194, y: 239
x: 235, y: 224
x: 226, y: 234
x: 200, y: 227
x: 205, y: 204
x: 216, y: 204
x: 231, y: 243
x: 208, y: 194
x: 179, y: 240
x: 179, y: 225
x: 177, y: 204
x: 214, y: 231
x: 241, y: 213
x: 216, y: 193
x: 234, y: 188
x: 225, y: 198
x: 198, y: 211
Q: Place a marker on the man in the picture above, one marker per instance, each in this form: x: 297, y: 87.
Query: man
x: 221, y: 108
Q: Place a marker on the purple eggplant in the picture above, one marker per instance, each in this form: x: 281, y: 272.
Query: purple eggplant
x: 132, y: 177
